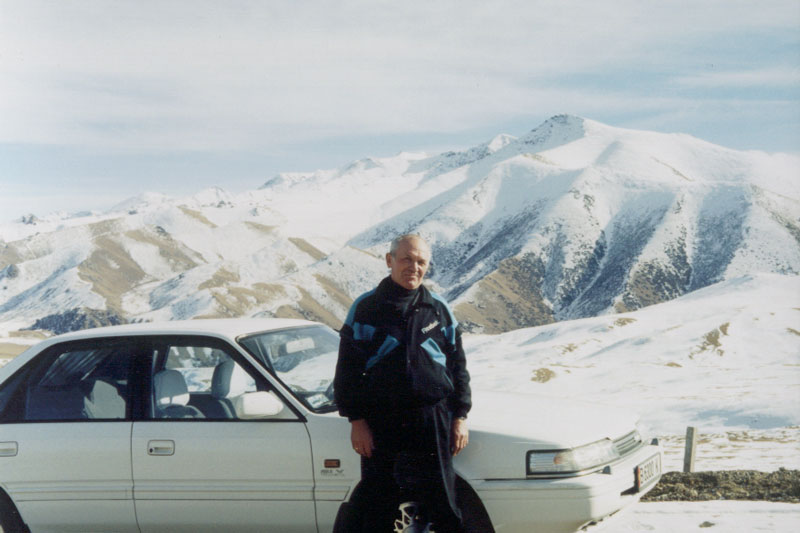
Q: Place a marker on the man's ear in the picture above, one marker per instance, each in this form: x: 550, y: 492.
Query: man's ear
x: 389, y: 260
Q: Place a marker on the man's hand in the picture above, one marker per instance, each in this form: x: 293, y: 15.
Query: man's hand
x: 460, y: 436
x: 361, y: 437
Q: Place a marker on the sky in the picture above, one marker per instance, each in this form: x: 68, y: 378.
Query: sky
x: 104, y: 100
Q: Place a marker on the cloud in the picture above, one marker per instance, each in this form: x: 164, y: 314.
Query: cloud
x: 768, y: 77
x: 164, y: 76
x: 224, y: 75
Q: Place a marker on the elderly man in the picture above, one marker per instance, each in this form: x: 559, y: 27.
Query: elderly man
x: 401, y: 380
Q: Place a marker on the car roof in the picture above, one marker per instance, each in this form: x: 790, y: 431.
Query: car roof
x: 230, y: 328
x: 223, y: 328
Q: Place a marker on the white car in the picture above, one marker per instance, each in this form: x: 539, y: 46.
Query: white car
x: 229, y: 425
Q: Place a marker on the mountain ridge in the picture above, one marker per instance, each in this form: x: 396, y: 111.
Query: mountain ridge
x: 573, y: 219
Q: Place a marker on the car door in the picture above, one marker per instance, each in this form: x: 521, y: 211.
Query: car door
x: 217, y: 449
x: 65, y: 429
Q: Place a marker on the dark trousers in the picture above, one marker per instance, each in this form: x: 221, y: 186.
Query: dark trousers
x: 411, y: 462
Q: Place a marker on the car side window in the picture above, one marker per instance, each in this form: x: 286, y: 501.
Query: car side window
x: 197, y: 381
x: 86, y: 382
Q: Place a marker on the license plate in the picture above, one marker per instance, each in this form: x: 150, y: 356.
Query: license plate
x: 647, y: 472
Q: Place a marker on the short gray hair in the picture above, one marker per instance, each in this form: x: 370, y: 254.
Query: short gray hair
x: 403, y: 238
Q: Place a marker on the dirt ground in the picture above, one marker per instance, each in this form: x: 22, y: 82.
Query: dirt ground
x: 780, y: 486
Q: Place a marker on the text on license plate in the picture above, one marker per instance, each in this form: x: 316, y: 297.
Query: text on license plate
x: 647, y: 472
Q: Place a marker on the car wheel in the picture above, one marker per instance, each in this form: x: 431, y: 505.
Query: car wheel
x: 474, y: 517
x: 10, y: 519
x: 347, y: 519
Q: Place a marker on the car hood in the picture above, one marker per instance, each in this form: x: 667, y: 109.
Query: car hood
x: 505, y: 426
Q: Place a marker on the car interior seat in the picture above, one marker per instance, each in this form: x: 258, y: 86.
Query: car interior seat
x: 172, y: 396
x: 104, y: 402
x: 228, y: 382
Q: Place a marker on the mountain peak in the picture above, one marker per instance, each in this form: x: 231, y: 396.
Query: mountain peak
x: 565, y: 120
x: 499, y: 142
x: 211, y: 197
x: 140, y: 202
x: 556, y: 131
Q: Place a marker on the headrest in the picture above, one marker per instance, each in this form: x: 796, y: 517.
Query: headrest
x: 169, y: 388
x: 229, y: 380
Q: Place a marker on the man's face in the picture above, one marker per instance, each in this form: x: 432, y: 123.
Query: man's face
x: 410, y: 263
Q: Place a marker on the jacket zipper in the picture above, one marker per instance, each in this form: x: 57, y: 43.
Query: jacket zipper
x: 412, y: 338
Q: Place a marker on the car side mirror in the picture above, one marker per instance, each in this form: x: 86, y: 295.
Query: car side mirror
x: 258, y: 405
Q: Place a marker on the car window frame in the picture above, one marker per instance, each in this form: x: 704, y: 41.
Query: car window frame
x: 13, y: 382
x: 263, y: 359
x: 156, y: 358
x: 43, y: 361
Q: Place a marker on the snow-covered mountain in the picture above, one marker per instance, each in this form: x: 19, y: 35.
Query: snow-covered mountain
x: 574, y: 219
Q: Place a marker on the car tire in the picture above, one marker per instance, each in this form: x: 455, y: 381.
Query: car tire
x: 347, y: 519
x: 10, y: 519
x: 474, y: 517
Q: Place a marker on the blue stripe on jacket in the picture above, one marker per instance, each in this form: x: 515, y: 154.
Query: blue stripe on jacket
x: 389, y: 344
x: 448, y: 331
x: 351, y: 315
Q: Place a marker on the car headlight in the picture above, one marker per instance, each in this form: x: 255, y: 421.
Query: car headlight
x: 572, y: 461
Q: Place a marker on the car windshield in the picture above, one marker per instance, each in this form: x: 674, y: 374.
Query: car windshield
x: 303, y: 359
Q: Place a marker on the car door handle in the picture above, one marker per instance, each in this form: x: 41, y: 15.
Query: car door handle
x: 8, y: 449
x: 161, y: 447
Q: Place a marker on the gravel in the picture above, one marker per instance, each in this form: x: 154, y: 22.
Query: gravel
x: 780, y: 486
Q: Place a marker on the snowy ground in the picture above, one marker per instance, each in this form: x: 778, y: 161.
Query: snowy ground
x: 714, y: 517
x: 764, y: 450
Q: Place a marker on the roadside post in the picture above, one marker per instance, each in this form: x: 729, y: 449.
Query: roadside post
x: 691, y: 447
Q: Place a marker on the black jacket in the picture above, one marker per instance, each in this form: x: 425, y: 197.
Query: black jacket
x: 390, y: 361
